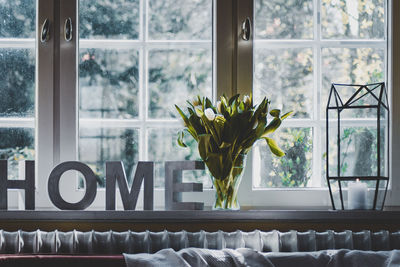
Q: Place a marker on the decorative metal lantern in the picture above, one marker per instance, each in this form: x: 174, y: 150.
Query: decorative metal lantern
x: 357, y: 146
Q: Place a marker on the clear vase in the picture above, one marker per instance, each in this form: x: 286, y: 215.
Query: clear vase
x: 226, y: 189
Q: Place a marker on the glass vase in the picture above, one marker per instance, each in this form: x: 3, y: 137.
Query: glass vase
x: 226, y: 189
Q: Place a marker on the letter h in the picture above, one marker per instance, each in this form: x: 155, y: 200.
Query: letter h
x: 28, y: 184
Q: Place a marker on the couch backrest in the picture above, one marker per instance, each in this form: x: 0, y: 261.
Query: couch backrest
x: 108, y: 243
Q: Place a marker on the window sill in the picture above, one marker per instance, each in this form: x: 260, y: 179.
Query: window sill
x: 181, y: 217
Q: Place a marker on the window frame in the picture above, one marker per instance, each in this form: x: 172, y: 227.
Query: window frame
x: 57, y: 104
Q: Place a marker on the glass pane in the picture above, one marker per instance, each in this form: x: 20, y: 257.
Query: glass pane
x: 352, y: 66
x: 343, y: 19
x: 180, y: 19
x: 109, y: 19
x: 18, y: 18
x: 358, y: 151
x: 175, y: 76
x: 16, y: 144
x: 163, y: 147
x: 283, y: 19
x: 17, y: 82
x: 358, y: 148
x: 292, y: 170
x: 109, y: 83
x: 99, y: 144
x: 285, y: 76
x: 381, y: 197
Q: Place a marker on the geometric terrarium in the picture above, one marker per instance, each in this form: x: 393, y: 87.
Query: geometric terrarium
x: 357, y: 146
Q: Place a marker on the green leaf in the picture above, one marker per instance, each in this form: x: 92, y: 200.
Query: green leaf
x: 261, y: 108
x: 274, y: 147
x: 209, y: 125
x: 180, y: 139
x: 241, y: 107
x: 225, y: 145
x: 208, y: 104
x: 190, y: 104
x: 185, y: 119
x: 232, y: 99
x: 204, y: 142
x: 272, y: 126
x: 215, y: 165
x: 284, y: 116
x: 275, y: 113
x: 219, y: 125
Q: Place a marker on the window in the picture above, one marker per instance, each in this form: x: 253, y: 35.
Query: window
x: 300, y: 48
x: 108, y: 94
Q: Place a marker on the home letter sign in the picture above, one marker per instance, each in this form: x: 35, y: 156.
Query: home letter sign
x: 28, y: 184
x: 115, y: 173
x: 54, y: 186
x: 174, y: 185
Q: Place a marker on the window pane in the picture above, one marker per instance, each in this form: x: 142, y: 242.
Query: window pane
x: 99, y: 144
x: 163, y: 147
x: 175, y: 76
x: 180, y: 19
x: 350, y: 65
x: 17, y: 82
x: 109, y: 83
x: 109, y: 19
x: 292, y: 170
x: 283, y: 19
x: 18, y: 18
x: 285, y: 76
x: 16, y: 144
x: 343, y: 19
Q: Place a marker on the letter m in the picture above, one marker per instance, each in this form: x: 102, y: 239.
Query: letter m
x: 115, y: 173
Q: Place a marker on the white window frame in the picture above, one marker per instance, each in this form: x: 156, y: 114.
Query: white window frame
x: 57, y: 105
x: 315, y: 196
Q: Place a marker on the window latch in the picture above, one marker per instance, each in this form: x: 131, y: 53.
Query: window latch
x: 246, y: 29
x: 45, y: 31
x: 68, y: 30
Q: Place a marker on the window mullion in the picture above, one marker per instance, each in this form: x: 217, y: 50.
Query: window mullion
x: 44, y: 140
x: 243, y: 80
x: 143, y: 78
x: 316, y: 178
x: 68, y: 85
x: 225, y: 47
x: 65, y: 101
x: 244, y: 53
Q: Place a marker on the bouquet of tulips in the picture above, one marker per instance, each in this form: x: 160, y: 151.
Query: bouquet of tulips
x: 226, y: 132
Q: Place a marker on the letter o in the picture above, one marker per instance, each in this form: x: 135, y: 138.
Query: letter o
x: 54, y: 188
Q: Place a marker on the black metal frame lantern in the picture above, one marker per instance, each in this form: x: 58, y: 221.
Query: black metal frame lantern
x: 357, y: 145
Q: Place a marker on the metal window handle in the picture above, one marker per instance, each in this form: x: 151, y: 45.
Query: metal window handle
x: 68, y: 30
x: 45, y: 31
x: 246, y: 29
